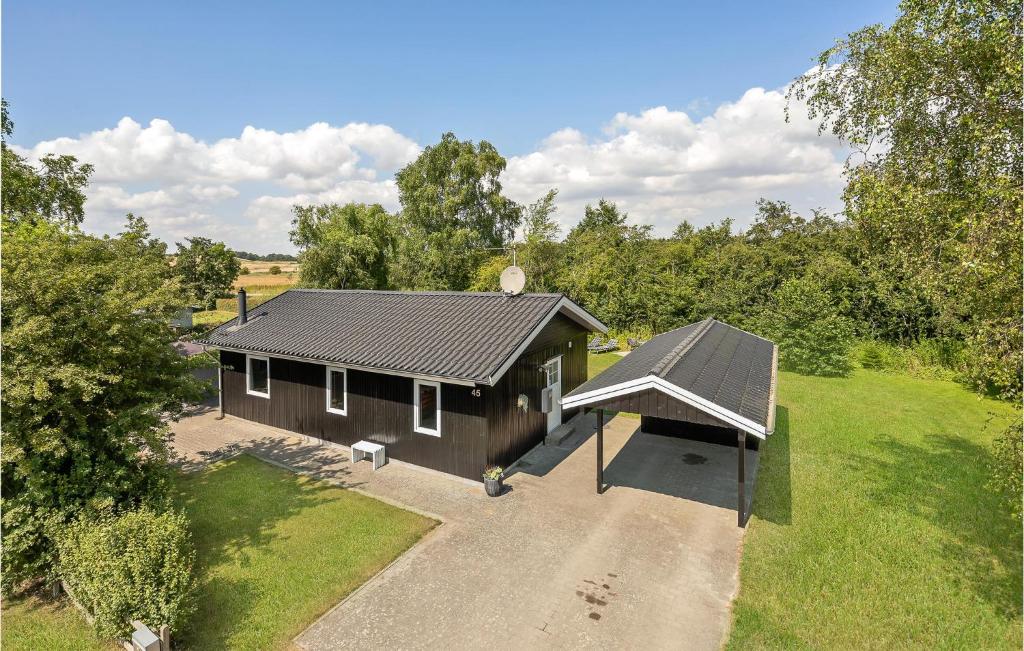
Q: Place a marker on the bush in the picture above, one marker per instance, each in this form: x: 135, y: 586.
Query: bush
x: 940, y: 359
x: 244, y: 271
x: 274, y: 270
x: 872, y: 355
x: 813, y: 337
x: 1008, y: 465
x: 136, y: 565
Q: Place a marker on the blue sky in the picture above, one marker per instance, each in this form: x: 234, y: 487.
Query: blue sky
x: 511, y: 73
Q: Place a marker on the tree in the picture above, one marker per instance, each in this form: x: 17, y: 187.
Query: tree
x: 54, y: 191
x: 604, y: 216
x: 933, y: 103
x: 206, y: 268
x: 812, y: 334
x: 344, y: 247
x: 89, y: 378
x: 453, y: 211
x: 540, y: 253
x: 610, y: 270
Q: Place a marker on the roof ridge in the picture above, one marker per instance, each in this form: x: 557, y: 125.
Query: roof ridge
x: 662, y: 368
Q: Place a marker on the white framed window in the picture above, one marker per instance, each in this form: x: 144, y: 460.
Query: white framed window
x: 552, y: 369
x: 426, y: 403
x: 337, y: 390
x: 257, y: 376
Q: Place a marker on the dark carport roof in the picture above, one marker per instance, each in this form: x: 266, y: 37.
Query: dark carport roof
x: 721, y: 370
x: 470, y: 337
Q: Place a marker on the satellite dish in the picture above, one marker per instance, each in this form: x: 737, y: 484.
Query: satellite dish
x: 512, y: 280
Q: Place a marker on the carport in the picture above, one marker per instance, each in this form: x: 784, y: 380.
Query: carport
x: 706, y: 373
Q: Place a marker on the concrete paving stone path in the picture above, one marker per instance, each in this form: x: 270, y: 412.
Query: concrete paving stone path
x: 651, y: 563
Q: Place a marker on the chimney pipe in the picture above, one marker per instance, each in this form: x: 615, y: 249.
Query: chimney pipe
x: 242, y: 311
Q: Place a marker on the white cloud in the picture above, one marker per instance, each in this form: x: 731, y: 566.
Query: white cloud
x: 661, y: 165
x: 179, y: 182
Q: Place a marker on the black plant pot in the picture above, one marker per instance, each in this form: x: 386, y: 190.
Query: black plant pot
x: 493, y: 487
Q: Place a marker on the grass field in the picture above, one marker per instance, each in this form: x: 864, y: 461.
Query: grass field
x: 211, y: 318
x: 597, y: 362
x: 275, y: 550
x: 257, y: 274
x: 266, y: 280
x: 872, y: 526
x: 261, y: 267
x: 30, y: 624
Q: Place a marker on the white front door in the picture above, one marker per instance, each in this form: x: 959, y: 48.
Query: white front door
x: 554, y: 376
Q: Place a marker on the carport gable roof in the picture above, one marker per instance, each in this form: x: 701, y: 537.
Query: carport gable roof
x: 723, y: 371
x: 458, y: 337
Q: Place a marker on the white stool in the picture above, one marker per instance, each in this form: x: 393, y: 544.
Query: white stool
x: 374, y: 450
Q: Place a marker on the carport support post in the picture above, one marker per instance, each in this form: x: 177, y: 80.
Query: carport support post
x: 600, y: 450
x: 741, y: 440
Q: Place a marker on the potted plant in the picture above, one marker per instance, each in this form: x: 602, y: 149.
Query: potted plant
x: 492, y: 480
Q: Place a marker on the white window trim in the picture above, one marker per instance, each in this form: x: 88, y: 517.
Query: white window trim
x: 416, y: 407
x: 248, y: 376
x: 330, y: 389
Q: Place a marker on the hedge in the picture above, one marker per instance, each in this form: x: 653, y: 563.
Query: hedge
x: 135, y: 565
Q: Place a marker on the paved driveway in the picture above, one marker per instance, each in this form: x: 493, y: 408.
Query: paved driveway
x: 651, y: 563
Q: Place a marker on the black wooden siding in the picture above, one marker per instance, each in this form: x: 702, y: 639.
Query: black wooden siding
x: 719, y: 434
x: 511, y: 432
x: 380, y: 409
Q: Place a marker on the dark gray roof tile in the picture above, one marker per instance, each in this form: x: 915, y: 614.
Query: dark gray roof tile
x: 722, y: 364
x: 459, y: 335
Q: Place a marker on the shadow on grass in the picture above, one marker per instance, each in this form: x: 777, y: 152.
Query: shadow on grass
x: 234, y: 508
x: 773, y: 495
x: 943, y: 482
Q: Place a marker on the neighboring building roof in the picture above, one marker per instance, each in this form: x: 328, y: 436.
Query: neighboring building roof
x: 721, y: 370
x: 467, y: 337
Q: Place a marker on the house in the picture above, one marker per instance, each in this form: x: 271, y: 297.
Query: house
x: 453, y: 381
x: 706, y: 380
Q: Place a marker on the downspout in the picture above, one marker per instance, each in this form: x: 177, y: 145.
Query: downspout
x: 220, y: 390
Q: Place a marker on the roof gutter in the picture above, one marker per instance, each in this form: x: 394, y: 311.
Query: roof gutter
x: 770, y: 426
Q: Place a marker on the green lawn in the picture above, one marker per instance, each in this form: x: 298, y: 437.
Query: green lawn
x: 597, y: 362
x: 29, y: 624
x: 275, y: 550
x: 211, y: 318
x: 872, y: 526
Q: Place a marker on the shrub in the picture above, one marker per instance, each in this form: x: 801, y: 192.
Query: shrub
x: 274, y: 270
x: 813, y: 337
x: 244, y: 271
x: 1008, y: 465
x: 136, y: 565
x: 940, y: 359
x: 872, y: 355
